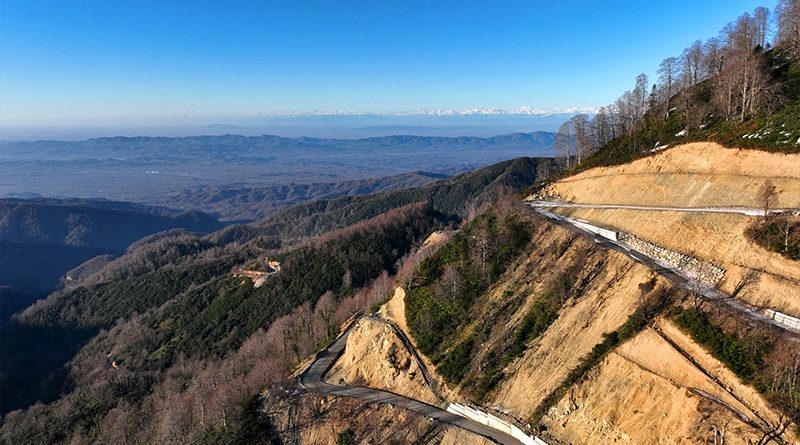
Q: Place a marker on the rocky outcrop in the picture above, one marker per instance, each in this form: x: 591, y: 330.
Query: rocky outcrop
x: 376, y: 356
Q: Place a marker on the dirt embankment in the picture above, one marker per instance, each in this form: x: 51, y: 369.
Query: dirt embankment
x: 699, y: 175
x: 395, y: 309
x: 611, y: 293
x: 648, y: 392
x: 376, y: 356
x: 690, y: 175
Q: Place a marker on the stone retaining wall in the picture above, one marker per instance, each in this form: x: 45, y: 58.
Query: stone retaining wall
x: 697, y: 269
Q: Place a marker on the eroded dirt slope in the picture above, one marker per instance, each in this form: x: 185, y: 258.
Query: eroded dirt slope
x: 648, y: 392
x: 612, y: 292
x: 376, y: 356
x: 699, y: 175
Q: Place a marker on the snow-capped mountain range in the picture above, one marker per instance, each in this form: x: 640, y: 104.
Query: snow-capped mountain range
x: 480, y: 122
x: 518, y: 111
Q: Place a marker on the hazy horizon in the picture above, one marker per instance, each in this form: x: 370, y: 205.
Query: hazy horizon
x: 146, y: 66
x: 340, y: 126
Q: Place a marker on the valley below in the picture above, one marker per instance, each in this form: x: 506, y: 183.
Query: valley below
x: 174, y: 172
x: 447, y: 312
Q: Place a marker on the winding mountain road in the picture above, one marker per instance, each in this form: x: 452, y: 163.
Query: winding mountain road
x: 748, y: 211
x: 674, y: 275
x: 313, y: 379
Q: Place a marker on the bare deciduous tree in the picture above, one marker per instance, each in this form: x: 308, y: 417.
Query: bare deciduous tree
x: 713, y: 58
x: 748, y: 279
x: 788, y: 20
x: 580, y: 128
x: 761, y: 22
x: 451, y: 283
x: 774, y: 430
x: 640, y: 97
x: 601, y: 128
x: 719, y: 433
x: 565, y: 145
x: 786, y: 230
x: 692, y: 63
x: 668, y: 72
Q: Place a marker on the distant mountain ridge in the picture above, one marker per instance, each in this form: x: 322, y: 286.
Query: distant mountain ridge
x: 106, y: 225
x: 250, y: 203
x: 523, y: 110
x: 146, y: 169
x: 224, y: 144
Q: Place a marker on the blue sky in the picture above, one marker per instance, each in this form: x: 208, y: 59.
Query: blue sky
x: 74, y: 62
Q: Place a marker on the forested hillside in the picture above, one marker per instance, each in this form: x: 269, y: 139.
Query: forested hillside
x: 42, y: 239
x: 456, y: 197
x: 141, y: 337
x: 100, y: 224
x: 253, y: 202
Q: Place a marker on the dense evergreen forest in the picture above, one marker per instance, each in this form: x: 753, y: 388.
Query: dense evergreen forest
x: 41, y: 240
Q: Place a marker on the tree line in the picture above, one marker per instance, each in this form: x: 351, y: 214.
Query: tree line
x: 725, y: 78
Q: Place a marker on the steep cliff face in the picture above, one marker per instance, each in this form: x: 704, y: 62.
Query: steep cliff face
x: 657, y: 387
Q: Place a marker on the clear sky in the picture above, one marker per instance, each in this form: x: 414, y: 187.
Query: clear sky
x: 108, y: 61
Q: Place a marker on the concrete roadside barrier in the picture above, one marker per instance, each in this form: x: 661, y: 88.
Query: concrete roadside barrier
x: 494, y: 422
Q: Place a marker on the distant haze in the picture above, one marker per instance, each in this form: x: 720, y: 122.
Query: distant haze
x: 146, y: 169
x: 473, y: 122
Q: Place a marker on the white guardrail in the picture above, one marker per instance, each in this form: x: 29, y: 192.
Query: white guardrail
x: 783, y: 319
x: 494, y: 423
x: 605, y: 233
